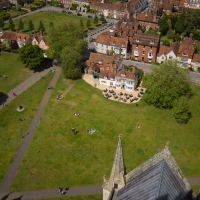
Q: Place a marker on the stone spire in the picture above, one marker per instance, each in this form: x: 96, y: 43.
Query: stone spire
x: 117, y: 173
x: 116, y: 180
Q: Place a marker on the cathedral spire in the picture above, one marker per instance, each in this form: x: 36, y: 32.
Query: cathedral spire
x: 116, y: 180
x: 117, y: 173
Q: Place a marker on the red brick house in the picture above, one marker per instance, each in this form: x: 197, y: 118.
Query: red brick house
x: 145, y: 47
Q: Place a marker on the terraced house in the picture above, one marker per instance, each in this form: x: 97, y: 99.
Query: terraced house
x: 107, y: 43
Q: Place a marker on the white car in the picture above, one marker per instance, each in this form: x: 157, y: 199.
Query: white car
x: 1, y: 32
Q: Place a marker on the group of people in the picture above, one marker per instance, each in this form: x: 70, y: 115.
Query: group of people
x: 50, y: 87
x: 74, y: 131
x: 63, y: 190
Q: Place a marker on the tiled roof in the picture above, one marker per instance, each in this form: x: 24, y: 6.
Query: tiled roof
x: 145, y: 39
x: 103, y: 59
x: 148, y: 17
x: 189, y: 45
x: 114, y: 41
x: 9, y: 35
x: 157, y: 182
x: 23, y: 37
x: 107, y: 6
x: 165, y: 49
x: 196, y: 58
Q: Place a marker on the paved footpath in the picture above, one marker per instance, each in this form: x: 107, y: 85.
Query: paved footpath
x: 19, y: 156
x: 42, y: 194
x: 23, y: 86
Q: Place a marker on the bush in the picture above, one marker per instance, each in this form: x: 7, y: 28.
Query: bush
x: 18, y: 7
x: 165, y: 42
x: 170, y: 34
x: 181, y: 110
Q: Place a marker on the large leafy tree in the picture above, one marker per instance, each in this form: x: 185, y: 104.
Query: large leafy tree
x: 179, y: 26
x: 31, y: 55
x: 66, y: 44
x: 30, y: 26
x: 11, y: 24
x: 165, y: 84
x: 88, y: 24
x: 20, y: 25
x: 181, y: 110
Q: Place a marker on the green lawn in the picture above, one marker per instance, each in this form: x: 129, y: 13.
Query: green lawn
x: 14, y: 70
x: 87, y: 197
x: 196, y: 189
x: 10, y: 133
x: 82, y: 159
x: 46, y: 17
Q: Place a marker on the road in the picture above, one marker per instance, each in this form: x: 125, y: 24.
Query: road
x: 194, y: 76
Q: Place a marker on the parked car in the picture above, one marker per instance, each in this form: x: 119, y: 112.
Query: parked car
x: 109, y: 24
x: 64, y: 11
x: 85, y: 35
x: 79, y: 15
x: 1, y: 33
x: 69, y: 12
x: 89, y: 17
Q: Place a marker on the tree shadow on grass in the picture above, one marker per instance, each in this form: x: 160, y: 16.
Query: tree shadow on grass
x: 47, y: 63
x: 3, y: 98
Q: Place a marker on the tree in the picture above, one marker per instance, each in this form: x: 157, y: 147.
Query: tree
x: 179, y: 26
x: 181, y: 110
x: 20, y: 25
x: 66, y: 43
x: 102, y: 18
x: 31, y: 55
x: 51, y: 24
x: 95, y: 19
x: 88, y: 24
x: 81, y: 23
x: 165, y: 84
x: 1, y: 24
x: 30, y: 26
x: 11, y: 24
x: 41, y: 27
x: 163, y: 24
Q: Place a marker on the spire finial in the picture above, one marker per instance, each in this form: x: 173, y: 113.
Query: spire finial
x: 167, y: 145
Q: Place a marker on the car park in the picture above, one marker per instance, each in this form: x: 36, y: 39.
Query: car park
x: 79, y: 15
x: 89, y: 17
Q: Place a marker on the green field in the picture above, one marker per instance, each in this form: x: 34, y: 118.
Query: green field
x: 10, y: 126
x: 46, y: 17
x: 87, y: 197
x: 82, y: 159
x: 14, y: 70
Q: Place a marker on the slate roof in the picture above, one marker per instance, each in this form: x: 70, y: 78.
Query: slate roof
x: 157, y: 182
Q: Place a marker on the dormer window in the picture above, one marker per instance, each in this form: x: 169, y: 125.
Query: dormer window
x: 123, y: 74
x: 137, y: 40
x: 113, y: 43
x: 184, y: 54
x: 19, y: 37
x: 24, y: 39
x: 150, y: 54
x: 152, y: 42
x: 105, y: 77
x: 100, y: 62
x: 107, y: 68
x: 123, y: 45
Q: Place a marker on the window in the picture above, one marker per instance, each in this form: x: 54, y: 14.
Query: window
x: 105, y: 77
x: 123, y: 74
x: 143, y: 53
x: 137, y: 40
x: 96, y: 44
x: 103, y: 81
x: 184, y: 54
x: 170, y: 57
x: 144, y: 47
x: 102, y: 45
x: 111, y: 83
x: 107, y: 68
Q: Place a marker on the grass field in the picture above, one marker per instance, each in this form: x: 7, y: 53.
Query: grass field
x: 69, y: 160
x: 14, y: 70
x: 46, y: 17
x: 87, y: 197
x: 10, y: 126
